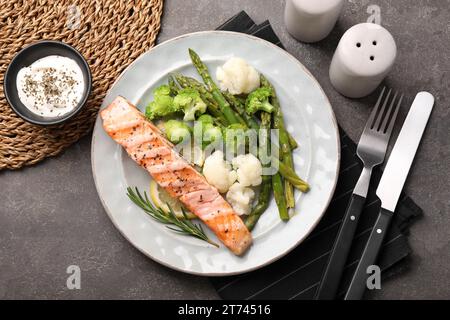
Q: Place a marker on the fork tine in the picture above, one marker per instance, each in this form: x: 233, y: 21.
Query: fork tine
x: 374, y: 112
x: 394, y: 116
x: 382, y: 127
x: 376, y: 125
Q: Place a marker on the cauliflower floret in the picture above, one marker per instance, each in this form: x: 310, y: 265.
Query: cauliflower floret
x: 248, y: 169
x: 219, y: 172
x: 240, y: 198
x: 236, y: 76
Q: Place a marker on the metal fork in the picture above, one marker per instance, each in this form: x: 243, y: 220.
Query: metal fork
x: 372, y: 151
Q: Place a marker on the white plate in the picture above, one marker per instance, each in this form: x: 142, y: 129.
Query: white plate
x: 308, y: 116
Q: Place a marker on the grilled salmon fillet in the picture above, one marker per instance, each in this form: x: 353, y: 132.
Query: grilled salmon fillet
x: 146, y: 145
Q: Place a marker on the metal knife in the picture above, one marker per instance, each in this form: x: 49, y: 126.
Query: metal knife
x: 391, y: 185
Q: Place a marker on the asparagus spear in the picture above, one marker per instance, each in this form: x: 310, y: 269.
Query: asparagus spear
x: 241, y: 120
x: 239, y: 115
x: 285, y: 148
x: 174, y: 89
x: 290, y: 175
x: 215, y: 91
x: 263, y: 203
x: 277, y: 184
x: 292, y: 142
x: 288, y: 187
x: 266, y: 185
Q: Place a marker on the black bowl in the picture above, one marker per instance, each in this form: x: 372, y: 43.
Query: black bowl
x: 26, y: 57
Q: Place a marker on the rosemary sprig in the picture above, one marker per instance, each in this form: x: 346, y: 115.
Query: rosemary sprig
x: 184, y: 226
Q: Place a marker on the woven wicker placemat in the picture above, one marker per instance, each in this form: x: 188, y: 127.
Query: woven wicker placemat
x: 109, y: 33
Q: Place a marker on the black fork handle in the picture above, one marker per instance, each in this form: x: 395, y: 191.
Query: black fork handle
x: 369, y: 256
x: 336, y: 263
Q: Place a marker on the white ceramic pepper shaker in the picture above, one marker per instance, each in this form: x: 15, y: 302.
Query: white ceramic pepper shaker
x: 311, y: 20
x: 364, y: 56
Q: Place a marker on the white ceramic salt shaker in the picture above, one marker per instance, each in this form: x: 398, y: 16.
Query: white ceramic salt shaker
x: 364, y: 56
x: 311, y: 20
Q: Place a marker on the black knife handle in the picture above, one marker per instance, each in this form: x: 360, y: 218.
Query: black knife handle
x: 336, y: 263
x: 369, y: 256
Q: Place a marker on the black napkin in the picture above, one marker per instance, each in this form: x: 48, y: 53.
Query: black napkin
x: 297, y: 275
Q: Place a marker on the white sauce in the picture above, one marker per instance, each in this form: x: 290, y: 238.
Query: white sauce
x: 51, y: 86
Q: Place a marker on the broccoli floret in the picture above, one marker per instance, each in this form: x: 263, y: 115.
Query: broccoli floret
x: 258, y: 100
x: 177, y: 131
x: 162, y: 105
x: 163, y: 90
x: 209, y: 132
x: 190, y: 102
x: 206, y: 119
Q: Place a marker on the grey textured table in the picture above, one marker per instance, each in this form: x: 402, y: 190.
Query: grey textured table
x: 51, y: 217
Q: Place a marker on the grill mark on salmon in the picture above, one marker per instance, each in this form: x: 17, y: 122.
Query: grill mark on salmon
x: 145, y: 144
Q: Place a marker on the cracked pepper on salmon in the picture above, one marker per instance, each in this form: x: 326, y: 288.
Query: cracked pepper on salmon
x: 146, y: 145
